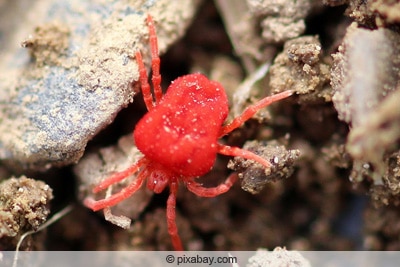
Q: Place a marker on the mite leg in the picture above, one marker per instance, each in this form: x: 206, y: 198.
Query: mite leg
x: 238, y: 152
x: 251, y: 110
x: 201, y: 191
x: 117, y: 197
x: 117, y: 177
x: 171, y: 217
x: 155, y: 60
x: 147, y: 97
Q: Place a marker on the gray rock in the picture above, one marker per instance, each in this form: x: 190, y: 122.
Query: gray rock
x: 74, y: 72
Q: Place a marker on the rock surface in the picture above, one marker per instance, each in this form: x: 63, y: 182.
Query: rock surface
x: 74, y: 72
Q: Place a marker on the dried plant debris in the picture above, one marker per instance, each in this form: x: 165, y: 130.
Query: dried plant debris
x: 364, y: 77
x: 279, y: 257
x: 24, y: 206
x: 253, y: 177
x: 300, y: 67
x: 282, y: 20
x: 98, y: 165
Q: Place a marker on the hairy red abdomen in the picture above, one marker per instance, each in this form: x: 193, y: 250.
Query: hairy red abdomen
x: 178, y: 137
x: 181, y: 132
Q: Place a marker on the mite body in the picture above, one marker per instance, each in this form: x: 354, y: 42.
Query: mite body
x: 179, y: 138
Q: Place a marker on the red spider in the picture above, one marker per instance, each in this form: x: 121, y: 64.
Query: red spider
x: 178, y: 137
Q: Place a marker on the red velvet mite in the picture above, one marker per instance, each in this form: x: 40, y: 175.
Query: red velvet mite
x: 179, y: 137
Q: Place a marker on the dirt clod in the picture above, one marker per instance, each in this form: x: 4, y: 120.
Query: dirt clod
x: 24, y: 206
x: 253, y: 177
x: 282, y: 20
x: 300, y: 68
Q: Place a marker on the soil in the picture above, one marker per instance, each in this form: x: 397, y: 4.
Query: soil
x: 24, y: 206
x: 319, y: 194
